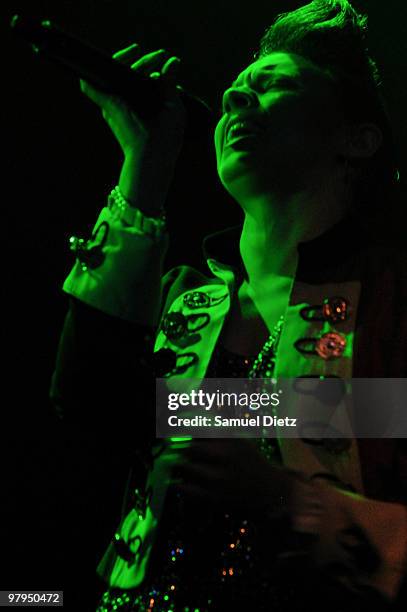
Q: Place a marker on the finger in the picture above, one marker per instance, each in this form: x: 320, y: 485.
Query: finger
x: 150, y: 61
x: 171, y: 458
x: 127, y: 55
x: 170, y: 75
x: 171, y: 68
x: 177, y: 443
x: 306, y: 523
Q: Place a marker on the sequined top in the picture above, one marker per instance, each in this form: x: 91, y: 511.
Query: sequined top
x: 207, y: 558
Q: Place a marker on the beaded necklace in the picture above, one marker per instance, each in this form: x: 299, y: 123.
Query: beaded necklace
x: 263, y: 365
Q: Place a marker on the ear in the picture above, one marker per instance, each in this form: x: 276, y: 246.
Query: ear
x: 364, y: 140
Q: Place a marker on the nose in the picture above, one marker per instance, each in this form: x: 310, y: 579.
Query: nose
x: 239, y: 98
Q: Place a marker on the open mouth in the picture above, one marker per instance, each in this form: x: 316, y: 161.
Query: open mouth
x: 239, y: 129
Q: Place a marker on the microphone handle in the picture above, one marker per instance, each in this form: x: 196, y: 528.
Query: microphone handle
x: 143, y: 94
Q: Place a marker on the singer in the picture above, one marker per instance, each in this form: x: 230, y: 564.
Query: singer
x: 304, y: 147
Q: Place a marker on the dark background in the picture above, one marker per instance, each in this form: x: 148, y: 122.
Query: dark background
x: 63, y: 161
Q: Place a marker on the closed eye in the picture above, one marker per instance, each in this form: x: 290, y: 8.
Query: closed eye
x: 280, y: 83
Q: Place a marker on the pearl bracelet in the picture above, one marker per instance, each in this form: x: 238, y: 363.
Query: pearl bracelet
x: 121, y: 209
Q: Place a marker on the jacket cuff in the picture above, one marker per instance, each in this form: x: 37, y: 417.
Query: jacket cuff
x: 124, y: 279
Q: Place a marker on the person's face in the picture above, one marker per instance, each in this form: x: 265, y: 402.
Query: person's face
x: 280, y: 121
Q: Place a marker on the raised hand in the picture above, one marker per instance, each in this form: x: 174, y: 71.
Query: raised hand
x: 150, y: 148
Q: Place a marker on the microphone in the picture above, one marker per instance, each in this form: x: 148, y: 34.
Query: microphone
x: 144, y: 95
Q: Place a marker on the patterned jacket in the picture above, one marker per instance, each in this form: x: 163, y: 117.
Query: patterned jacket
x: 131, y: 308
